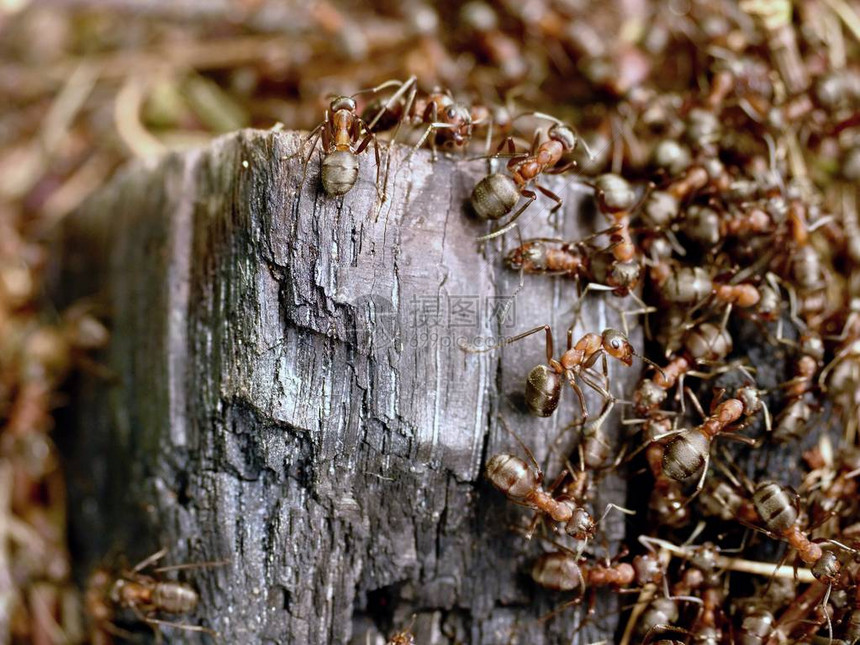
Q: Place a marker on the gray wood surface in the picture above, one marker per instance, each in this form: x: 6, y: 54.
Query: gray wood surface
x: 289, y: 394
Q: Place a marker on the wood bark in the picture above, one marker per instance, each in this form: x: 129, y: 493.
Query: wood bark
x: 289, y: 394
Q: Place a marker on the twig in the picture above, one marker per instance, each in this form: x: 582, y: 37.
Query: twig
x: 767, y: 569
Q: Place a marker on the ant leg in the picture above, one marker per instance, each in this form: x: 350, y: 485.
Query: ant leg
x: 558, y: 480
x: 793, y: 309
x: 431, y: 128
x: 559, y: 202
x: 411, y: 82
x: 431, y: 113
x: 512, y: 155
x: 524, y: 447
x: 644, y: 310
x: 511, y: 222
x: 407, y: 108
x: 610, y: 506
x: 155, y: 622
x: 701, y: 483
x: 604, y: 364
x: 515, y: 158
x: 564, y: 606
x: 605, y: 393
x: 581, y: 397
x: 588, y: 151
x: 370, y: 137
x: 313, y: 133
x: 489, y: 140
x: 383, y: 196
x: 509, y: 142
x: 666, y: 435
x: 319, y: 131
x: 149, y: 560
x: 695, y: 400
x: 508, y: 341
x: 680, y: 394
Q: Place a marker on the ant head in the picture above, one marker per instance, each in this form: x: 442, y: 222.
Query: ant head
x: 564, y: 135
x: 617, y: 345
x: 457, y: 114
x: 581, y: 525
x: 828, y: 567
x: 533, y: 253
x: 751, y: 398
x: 624, y: 275
x: 342, y: 103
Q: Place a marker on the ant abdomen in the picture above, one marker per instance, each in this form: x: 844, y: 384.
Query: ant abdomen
x: 660, y: 611
x: 792, y: 422
x: 709, y: 342
x: 557, y: 571
x: 512, y: 476
x: 775, y: 506
x: 339, y: 172
x: 175, y: 597
x: 494, y: 196
x: 686, y: 285
x: 543, y: 390
x: 685, y: 454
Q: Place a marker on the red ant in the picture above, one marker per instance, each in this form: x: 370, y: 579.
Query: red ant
x: 544, y: 382
x: 497, y: 194
x: 344, y: 136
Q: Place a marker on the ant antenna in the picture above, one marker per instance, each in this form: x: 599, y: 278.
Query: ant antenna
x: 649, y: 362
x: 520, y: 441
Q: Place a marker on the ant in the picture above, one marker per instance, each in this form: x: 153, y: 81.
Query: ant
x: 661, y: 207
x: 615, y: 199
x: 564, y: 570
x: 449, y: 122
x: 686, y: 285
x: 666, y: 501
x: 144, y: 595
x: 496, y: 194
x: 778, y: 509
x: 544, y: 382
x: 341, y: 132
x: 690, y: 450
x: 704, y: 343
x: 521, y: 483
x: 794, y: 418
x: 552, y: 257
x: 833, y: 484
x: 403, y: 637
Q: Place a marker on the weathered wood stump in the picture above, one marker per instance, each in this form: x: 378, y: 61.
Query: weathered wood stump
x: 290, y: 394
